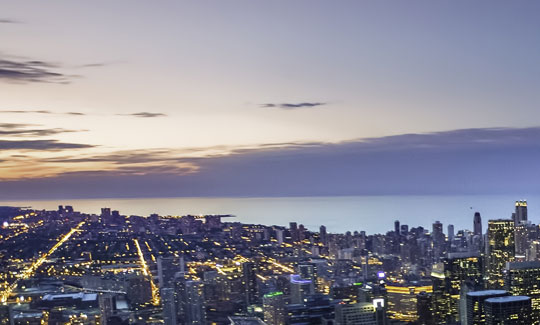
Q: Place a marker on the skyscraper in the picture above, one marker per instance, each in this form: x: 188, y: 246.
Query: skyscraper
x: 274, y: 308
x: 323, y: 235
x: 452, y: 279
x: 477, y: 224
x: 520, y: 215
x: 450, y: 233
x: 167, y: 267
x: 300, y: 289
x: 501, y: 248
x: 523, y: 279
x: 169, y: 306
x: 193, y: 303
x: 424, y: 308
x: 293, y: 228
x: 249, y: 280
x: 438, y: 241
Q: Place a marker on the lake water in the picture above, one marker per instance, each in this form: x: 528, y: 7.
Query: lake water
x: 374, y: 214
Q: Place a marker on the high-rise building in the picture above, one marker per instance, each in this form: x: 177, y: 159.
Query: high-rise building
x: 524, y: 234
x: 169, y: 306
x: 523, y: 279
x: 477, y: 224
x: 520, y: 215
x: 274, y: 308
x: 404, y: 230
x: 396, y: 227
x: 424, y: 308
x: 300, y: 288
x: 167, y: 267
x: 307, y: 272
x: 323, y: 235
x: 402, y: 299
x: 249, y: 280
x: 501, y: 249
x: 452, y: 279
x: 362, y: 313
x: 279, y: 236
x: 293, y: 228
x: 475, y: 313
x: 139, y: 290
x: 450, y: 233
x: 105, y: 212
x: 316, y: 309
x: 106, y: 305
x: 439, y: 248
x: 508, y: 310
x: 193, y: 303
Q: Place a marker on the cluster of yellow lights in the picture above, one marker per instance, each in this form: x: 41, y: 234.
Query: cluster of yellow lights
x: 281, y: 266
x: 146, y: 272
x: 29, y: 271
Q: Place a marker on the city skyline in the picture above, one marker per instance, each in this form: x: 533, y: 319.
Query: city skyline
x: 267, y: 99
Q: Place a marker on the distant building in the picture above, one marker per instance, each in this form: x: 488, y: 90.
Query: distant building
x: 477, y: 224
x: 439, y: 247
x: 323, y: 235
x: 520, y: 216
x: 293, y: 229
x: 450, y: 233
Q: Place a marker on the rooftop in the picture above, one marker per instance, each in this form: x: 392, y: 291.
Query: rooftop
x: 486, y: 293
x: 506, y: 299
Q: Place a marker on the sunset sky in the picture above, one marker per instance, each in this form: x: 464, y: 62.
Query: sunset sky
x: 240, y: 98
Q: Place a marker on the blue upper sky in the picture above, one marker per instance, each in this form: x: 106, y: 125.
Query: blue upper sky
x: 214, y: 95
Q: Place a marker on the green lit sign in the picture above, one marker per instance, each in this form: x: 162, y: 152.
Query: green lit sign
x: 273, y: 294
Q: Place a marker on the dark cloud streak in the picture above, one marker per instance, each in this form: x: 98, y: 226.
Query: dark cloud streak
x: 9, y: 21
x: 40, y: 145
x: 24, y: 130
x: 40, y: 112
x: 290, y: 106
x: 31, y: 71
x: 145, y: 114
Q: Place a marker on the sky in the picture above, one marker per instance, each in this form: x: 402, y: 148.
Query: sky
x: 268, y: 98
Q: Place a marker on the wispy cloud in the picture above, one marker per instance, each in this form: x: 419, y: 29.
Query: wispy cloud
x: 42, y: 145
x: 145, y: 114
x: 293, y: 105
x: 28, y: 130
x: 9, y: 21
x: 39, y: 112
x: 29, y: 71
